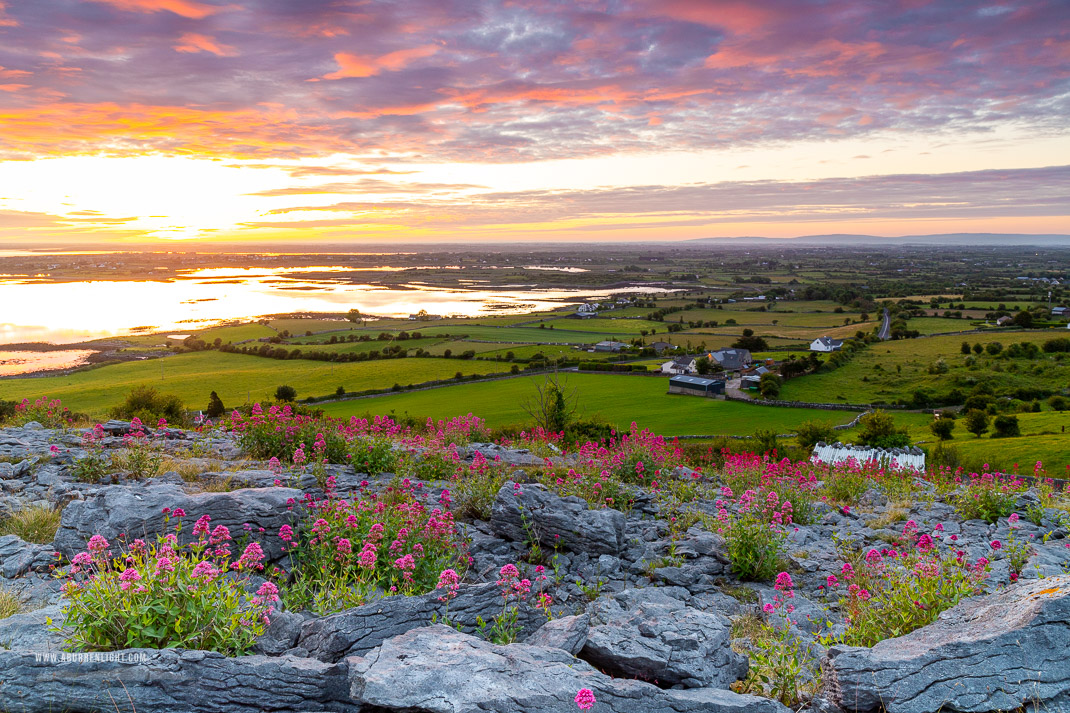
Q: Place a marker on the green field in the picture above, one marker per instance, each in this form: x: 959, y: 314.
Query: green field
x: 888, y: 371
x: 233, y: 333
x: 237, y: 378
x: 619, y: 399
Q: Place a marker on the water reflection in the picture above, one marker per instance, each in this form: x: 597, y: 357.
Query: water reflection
x: 20, y: 362
x: 69, y: 312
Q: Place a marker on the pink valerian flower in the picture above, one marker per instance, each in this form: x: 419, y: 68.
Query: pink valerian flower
x: 831, y: 581
x: 200, y: 528
x: 286, y: 533
x: 873, y: 557
x: 585, y: 699
x: 252, y: 557
x: 299, y: 456
x: 220, y: 534
x: 768, y: 608
x: 925, y: 543
x: 783, y: 582
x: 343, y: 547
x: 164, y: 565
x: 205, y: 570
x: 1013, y: 518
x: 178, y: 512
x: 320, y: 527
x: 996, y: 544
x: 53, y: 450
x: 449, y: 580
x: 97, y: 544
x: 847, y: 571
x: 368, y: 557
x: 128, y: 577
x: 266, y: 594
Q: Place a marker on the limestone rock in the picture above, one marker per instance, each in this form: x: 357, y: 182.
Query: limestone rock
x: 992, y: 653
x: 18, y: 557
x: 170, y: 681
x: 360, y: 629
x: 654, y: 637
x: 568, y: 633
x: 137, y: 511
x: 566, y: 522
x: 439, y: 670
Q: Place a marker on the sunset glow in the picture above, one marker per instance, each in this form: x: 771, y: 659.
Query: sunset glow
x: 154, y: 121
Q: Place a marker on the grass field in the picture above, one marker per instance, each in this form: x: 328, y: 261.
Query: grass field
x: 904, y: 366
x: 618, y: 399
x: 235, y: 377
x: 233, y: 333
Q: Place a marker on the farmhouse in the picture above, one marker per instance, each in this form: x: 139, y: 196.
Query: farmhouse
x: 731, y: 359
x: 1058, y: 311
x: 1004, y: 321
x: 826, y: 344
x: 610, y: 346
x: 587, y: 310
x: 680, y: 365
x: 659, y: 347
x: 695, y: 386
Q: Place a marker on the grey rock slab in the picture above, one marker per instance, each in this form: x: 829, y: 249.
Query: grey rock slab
x: 646, y: 634
x: 556, y: 521
x: 170, y: 681
x: 991, y: 653
x: 568, y: 633
x: 440, y: 670
x: 281, y: 634
x: 360, y: 629
x: 18, y: 557
x: 31, y: 631
x: 137, y: 511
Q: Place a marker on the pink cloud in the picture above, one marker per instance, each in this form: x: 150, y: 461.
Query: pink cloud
x: 192, y: 42
x: 186, y: 8
x: 354, y: 65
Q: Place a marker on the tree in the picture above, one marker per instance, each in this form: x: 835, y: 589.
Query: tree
x: 285, y: 393
x: 703, y: 365
x: 976, y: 422
x: 553, y: 405
x: 215, y: 406
x: 977, y: 348
x: 1058, y: 403
x: 354, y: 315
x: 808, y: 434
x: 751, y: 342
x: 965, y: 347
x: 769, y: 385
x: 1024, y: 319
x: 993, y: 348
x: 878, y: 429
x: 942, y: 428
x: 1006, y: 426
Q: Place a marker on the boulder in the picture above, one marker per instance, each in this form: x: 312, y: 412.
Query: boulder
x: 18, y: 557
x: 440, y: 670
x: 361, y: 629
x: 993, y: 653
x: 137, y: 511
x: 645, y: 634
x: 568, y: 633
x: 521, y: 512
x: 169, y: 681
x: 32, y: 631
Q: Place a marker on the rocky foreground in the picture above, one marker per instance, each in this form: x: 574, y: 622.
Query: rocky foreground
x: 647, y: 620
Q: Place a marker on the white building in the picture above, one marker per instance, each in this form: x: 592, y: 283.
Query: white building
x: 826, y: 344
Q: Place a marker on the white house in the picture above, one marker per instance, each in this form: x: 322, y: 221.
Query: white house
x: 826, y: 344
x: 1004, y: 321
x: 587, y: 308
x: 680, y: 365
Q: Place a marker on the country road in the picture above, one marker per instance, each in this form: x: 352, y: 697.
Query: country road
x: 885, y: 326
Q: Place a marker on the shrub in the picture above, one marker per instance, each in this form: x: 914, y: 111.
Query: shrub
x: 285, y: 393
x: 94, y: 465
x: 163, y: 595
x: 1006, y: 426
x: 215, y: 406
x: 355, y: 549
x: 49, y: 413
x: 149, y: 405
x: 755, y: 535
x: 976, y: 422
x: 280, y: 433
x: 1058, y: 403
x: 944, y: 455
x: 897, y: 590
x: 140, y: 458
x: 993, y: 348
x: 986, y: 496
x: 810, y: 433
x: 942, y: 428
x: 879, y: 431
x: 34, y: 523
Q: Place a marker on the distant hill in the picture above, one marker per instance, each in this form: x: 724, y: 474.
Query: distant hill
x: 971, y: 239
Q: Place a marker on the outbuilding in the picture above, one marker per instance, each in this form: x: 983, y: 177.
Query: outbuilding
x: 695, y: 386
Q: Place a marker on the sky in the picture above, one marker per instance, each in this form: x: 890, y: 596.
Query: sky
x: 178, y: 122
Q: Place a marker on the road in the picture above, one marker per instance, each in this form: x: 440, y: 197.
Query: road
x: 885, y: 326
